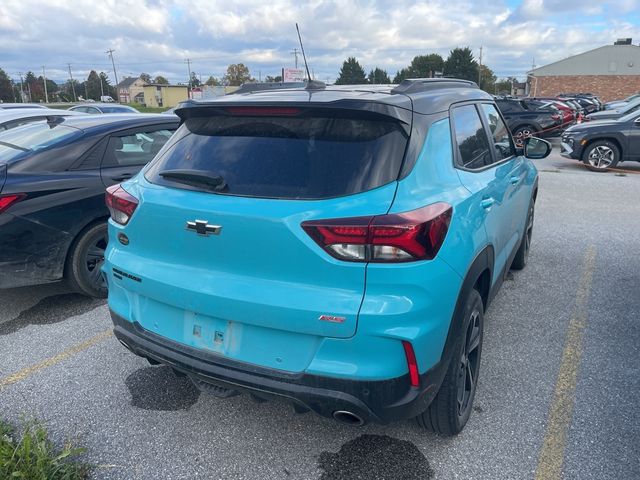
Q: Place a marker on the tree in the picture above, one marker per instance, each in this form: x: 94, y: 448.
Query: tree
x: 107, y: 88
x: 145, y: 77
x: 351, y: 73
x: 402, y: 75
x: 487, y: 79
x: 92, y: 87
x: 461, y: 64
x: 504, y: 86
x: 6, y: 87
x: 161, y: 80
x: 377, y: 75
x: 425, y: 66
x: 213, y: 81
x: 34, y: 88
x: 237, y: 74
x: 195, y: 81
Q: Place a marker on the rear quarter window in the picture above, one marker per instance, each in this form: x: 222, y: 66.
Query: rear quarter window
x: 287, y: 157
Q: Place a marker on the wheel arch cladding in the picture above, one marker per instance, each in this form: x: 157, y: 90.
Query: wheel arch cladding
x: 478, y: 275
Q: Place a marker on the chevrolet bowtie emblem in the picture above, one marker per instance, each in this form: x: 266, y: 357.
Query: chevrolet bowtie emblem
x: 202, y: 227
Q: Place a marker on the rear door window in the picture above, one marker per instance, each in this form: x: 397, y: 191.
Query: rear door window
x: 293, y: 157
x: 137, y: 148
x: 471, y: 138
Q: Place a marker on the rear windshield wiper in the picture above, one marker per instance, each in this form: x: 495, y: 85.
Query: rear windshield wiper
x: 197, y: 178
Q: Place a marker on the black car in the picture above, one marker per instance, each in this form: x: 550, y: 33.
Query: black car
x: 527, y: 118
x: 53, y: 176
x: 588, y: 104
x: 602, y: 145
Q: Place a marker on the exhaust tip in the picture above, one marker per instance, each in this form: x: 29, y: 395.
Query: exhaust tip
x: 349, y: 418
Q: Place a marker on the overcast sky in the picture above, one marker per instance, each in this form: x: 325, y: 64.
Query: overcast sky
x: 156, y: 36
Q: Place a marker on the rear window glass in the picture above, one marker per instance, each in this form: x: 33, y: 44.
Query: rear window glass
x: 23, y: 140
x: 287, y: 157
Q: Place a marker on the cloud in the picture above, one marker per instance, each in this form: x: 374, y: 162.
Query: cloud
x: 156, y: 36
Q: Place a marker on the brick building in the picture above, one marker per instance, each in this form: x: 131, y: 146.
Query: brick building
x: 611, y: 72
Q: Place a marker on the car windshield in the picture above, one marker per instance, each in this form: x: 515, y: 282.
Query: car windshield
x: 304, y: 157
x: 32, y: 137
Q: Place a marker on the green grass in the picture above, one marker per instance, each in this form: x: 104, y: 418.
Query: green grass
x: 30, y: 455
x: 142, y: 109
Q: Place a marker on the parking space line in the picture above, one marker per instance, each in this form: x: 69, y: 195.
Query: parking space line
x: 560, y: 413
x: 27, y: 372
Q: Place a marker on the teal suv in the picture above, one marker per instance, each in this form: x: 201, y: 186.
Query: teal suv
x: 335, y: 247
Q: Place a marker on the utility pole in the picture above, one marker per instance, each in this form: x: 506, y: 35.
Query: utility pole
x: 101, y: 88
x: 44, y: 80
x: 110, y: 52
x: 480, y: 69
x: 189, y: 69
x: 295, y: 53
x: 73, y: 87
x: 21, y: 89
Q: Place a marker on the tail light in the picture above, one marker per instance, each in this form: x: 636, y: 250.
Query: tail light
x: 7, y: 200
x: 412, y: 363
x: 392, y: 238
x: 121, y: 204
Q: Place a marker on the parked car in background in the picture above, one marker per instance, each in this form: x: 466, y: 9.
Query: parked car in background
x: 527, y: 118
x: 103, y: 108
x: 21, y: 116
x: 333, y: 247
x: 621, y: 103
x: 12, y: 106
x: 629, y: 107
x: 52, y: 179
x: 603, y: 144
x: 107, y: 99
x: 569, y: 114
x: 589, y: 105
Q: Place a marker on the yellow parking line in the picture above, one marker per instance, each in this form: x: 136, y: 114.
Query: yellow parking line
x: 560, y: 413
x: 27, y: 372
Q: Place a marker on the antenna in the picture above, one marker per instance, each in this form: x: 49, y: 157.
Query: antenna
x: 303, y: 55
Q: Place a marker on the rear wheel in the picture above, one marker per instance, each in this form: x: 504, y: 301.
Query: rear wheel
x: 520, y: 134
x: 451, y: 408
x: 522, y: 255
x: 601, y: 155
x: 85, y: 260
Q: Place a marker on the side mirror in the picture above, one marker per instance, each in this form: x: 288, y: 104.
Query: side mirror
x: 535, y: 148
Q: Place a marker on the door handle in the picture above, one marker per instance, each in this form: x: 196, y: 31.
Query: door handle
x: 487, y: 202
x: 514, y: 180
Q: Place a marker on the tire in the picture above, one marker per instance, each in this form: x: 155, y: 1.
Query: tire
x: 522, y: 132
x: 522, y: 255
x: 601, y: 155
x: 452, y: 406
x: 82, y: 269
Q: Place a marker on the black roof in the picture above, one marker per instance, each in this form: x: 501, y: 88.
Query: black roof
x: 419, y: 95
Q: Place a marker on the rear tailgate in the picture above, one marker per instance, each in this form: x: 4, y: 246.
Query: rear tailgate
x: 255, y: 278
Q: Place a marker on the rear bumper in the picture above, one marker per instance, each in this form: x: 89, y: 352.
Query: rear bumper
x: 380, y: 401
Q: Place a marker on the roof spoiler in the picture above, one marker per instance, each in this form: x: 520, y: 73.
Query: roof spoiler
x: 416, y: 85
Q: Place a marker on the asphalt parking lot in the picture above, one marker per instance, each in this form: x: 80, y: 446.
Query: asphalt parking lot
x: 557, y: 398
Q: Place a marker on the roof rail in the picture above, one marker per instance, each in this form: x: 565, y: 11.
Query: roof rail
x: 416, y: 85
